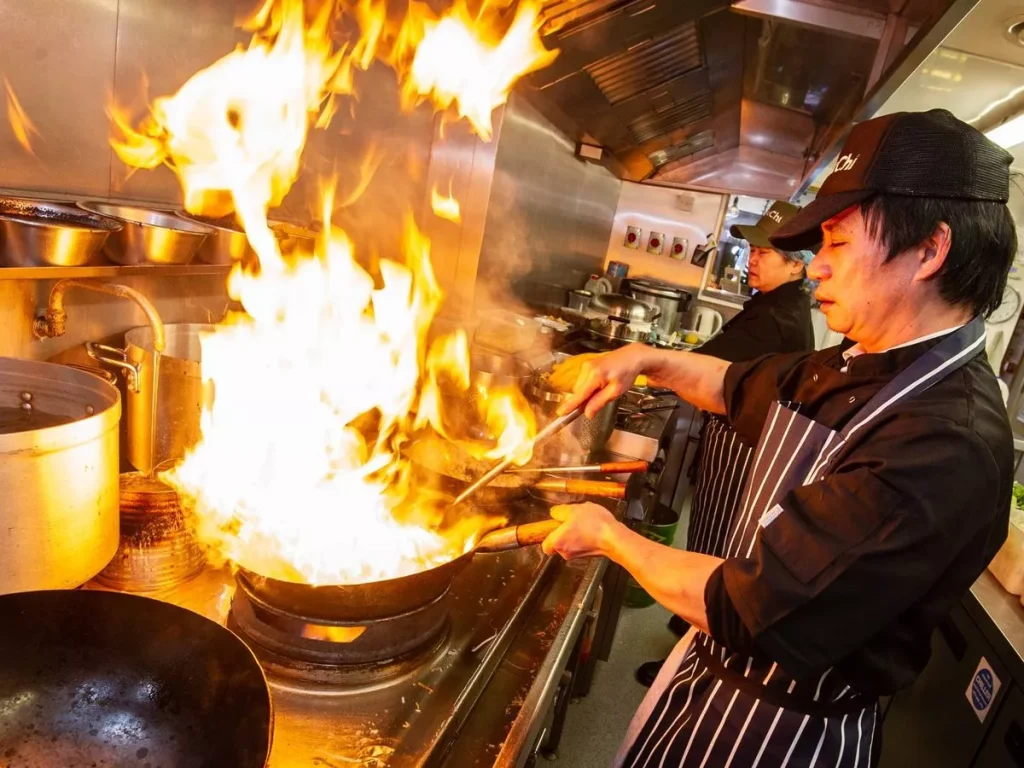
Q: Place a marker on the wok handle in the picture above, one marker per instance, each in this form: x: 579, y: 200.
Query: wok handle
x: 618, y: 467
x: 516, y: 536
x: 603, y: 488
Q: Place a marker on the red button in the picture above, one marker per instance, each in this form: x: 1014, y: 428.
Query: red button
x: 678, y: 248
x: 631, y: 237
x: 655, y: 242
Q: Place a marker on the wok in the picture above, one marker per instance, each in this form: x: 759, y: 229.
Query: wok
x: 106, y: 678
x: 388, y: 597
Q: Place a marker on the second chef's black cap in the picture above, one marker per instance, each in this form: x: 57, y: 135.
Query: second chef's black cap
x: 917, y: 154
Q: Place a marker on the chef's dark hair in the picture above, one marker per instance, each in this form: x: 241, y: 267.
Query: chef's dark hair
x: 984, y: 242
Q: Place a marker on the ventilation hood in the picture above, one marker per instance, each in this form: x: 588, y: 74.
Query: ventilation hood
x: 740, y: 96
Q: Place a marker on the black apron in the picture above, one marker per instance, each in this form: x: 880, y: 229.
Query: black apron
x: 712, y: 708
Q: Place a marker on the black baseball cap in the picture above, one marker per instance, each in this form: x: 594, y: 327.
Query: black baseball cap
x: 758, y: 234
x: 917, y: 154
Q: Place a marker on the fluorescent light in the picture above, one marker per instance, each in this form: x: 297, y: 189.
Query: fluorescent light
x: 1009, y: 134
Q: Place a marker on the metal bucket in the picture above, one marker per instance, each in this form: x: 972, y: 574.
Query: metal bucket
x: 58, y: 484
x: 179, y: 397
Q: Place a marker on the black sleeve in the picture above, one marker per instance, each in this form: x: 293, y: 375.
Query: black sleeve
x: 752, y: 387
x: 848, y: 555
x: 752, y: 333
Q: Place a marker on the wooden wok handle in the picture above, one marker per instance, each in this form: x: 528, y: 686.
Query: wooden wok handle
x: 534, y: 533
x: 616, y: 467
x: 603, y: 488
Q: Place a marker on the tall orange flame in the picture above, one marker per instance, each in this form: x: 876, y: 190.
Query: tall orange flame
x: 22, y: 125
x: 299, y: 473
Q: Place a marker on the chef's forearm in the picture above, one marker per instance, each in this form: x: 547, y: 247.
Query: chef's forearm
x: 698, y: 379
x: 673, y: 577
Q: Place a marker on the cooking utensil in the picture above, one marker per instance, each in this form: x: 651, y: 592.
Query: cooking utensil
x: 579, y: 301
x: 104, y: 678
x: 34, y: 233
x: 584, y: 436
x: 227, y: 242
x: 58, y: 475
x: 506, y: 331
x: 149, y: 236
x: 607, y: 468
x: 669, y: 299
x: 626, y: 308
x: 389, y: 597
x: 553, y: 428
x: 601, y: 488
x: 491, y: 370
x: 616, y: 329
x: 180, y: 392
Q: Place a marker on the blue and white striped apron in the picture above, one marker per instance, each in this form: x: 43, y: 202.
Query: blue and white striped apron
x: 712, y: 708
x: 723, y: 464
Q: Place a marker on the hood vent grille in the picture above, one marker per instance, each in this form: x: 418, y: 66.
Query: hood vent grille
x: 567, y: 16
x: 648, y: 65
x: 667, y: 120
x: 697, y: 142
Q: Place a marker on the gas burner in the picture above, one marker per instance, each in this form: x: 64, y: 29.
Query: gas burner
x: 326, y: 648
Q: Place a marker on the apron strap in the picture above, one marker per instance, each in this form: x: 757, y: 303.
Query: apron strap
x: 804, y: 705
x: 953, y: 352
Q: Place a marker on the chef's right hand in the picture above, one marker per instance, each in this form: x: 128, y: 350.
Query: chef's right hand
x: 606, y: 377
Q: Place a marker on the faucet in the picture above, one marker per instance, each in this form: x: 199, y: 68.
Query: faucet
x: 54, y: 320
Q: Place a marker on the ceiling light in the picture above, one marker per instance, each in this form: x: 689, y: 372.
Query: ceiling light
x: 1009, y: 134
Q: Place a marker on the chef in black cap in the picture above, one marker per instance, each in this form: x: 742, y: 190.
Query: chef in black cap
x: 881, y: 482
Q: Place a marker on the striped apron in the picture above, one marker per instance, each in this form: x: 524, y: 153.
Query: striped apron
x: 722, y: 473
x: 712, y: 708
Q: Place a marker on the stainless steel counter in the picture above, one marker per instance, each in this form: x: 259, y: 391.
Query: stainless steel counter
x: 1000, y: 617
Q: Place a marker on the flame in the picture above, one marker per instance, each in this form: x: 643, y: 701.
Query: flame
x: 462, y: 60
x: 21, y: 124
x: 332, y: 634
x: 447, y: 207
x: 316, y: 387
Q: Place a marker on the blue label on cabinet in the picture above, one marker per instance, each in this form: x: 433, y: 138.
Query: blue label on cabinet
x: 983, y: 689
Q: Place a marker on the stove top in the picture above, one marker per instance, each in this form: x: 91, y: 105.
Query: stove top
x: 409, y: 711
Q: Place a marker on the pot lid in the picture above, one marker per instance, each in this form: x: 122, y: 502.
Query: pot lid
x: 626, y: 307
x: 657, y: 288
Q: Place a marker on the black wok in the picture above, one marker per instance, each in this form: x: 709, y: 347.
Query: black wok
x: 108, y: 679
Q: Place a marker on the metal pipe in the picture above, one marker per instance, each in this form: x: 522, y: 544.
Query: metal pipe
x: 53, y: 322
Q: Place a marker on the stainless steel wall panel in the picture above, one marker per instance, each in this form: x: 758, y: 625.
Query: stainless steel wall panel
x: 59, y: 57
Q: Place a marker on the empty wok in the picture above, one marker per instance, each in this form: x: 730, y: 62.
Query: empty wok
x: 105, y: 678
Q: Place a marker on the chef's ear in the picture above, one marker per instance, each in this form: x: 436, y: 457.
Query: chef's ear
x: 933, y: 250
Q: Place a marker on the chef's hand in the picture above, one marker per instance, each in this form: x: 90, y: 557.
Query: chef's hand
x: 586, y: 531
x: 603, y: 378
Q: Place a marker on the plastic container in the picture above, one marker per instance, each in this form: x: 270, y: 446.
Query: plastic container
x: 1008, y: 564
x: 660, y: 528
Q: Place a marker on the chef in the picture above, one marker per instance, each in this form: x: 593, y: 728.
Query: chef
x: 776, y: 319
x: 880, y: 485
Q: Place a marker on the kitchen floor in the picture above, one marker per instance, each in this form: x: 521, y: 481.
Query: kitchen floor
x: 596, y: 724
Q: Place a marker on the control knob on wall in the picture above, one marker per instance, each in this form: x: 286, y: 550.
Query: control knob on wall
x: 656, y: 243
x: 632, y: 239
x: 679, y: 248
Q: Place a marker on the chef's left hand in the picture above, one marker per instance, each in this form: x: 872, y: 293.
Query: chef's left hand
x: 587, y: 530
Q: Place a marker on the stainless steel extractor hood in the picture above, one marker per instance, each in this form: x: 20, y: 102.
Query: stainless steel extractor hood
x: 741, y: 96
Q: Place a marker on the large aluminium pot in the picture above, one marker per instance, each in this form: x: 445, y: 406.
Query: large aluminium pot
x: 179, y: 396
x: 58, y: 475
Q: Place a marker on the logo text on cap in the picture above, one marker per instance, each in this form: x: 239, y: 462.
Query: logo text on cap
x: 846, y: 162
x: 775, y: 216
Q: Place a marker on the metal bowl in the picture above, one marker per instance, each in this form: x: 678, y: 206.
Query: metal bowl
x: 226, y: 245
x: 625, y: 308
x: 149, y: 236
x: 35, y: 233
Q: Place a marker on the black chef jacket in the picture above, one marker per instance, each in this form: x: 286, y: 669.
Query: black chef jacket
x: 771, y: 321
x: 864, y: 564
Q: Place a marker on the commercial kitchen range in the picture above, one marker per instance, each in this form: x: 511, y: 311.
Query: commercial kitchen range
x: 521, y: 635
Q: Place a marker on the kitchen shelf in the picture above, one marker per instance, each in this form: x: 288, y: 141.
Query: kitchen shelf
x: 111, y: 270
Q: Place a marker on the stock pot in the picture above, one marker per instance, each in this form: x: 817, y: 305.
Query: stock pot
x: 58, y: 475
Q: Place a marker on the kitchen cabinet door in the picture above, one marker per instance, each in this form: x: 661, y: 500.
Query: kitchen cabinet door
x: 1004, y: 745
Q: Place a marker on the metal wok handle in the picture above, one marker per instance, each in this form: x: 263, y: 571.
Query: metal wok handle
x: 132, y: 372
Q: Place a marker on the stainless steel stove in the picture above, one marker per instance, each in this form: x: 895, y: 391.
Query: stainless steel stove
x: 475, y: 694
